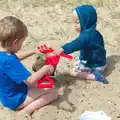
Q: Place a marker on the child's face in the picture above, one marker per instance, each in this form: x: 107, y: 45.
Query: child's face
x: 17, y: 44
x: 77, y: 23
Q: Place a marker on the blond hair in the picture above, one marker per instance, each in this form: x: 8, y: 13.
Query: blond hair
x: 75, y: 13
x: 11, y: 29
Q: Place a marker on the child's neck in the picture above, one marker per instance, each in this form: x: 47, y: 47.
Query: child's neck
x: 8, y: 49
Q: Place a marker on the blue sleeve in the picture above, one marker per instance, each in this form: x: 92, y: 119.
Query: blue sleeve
x: 15, y: 70
x: 77, y: 44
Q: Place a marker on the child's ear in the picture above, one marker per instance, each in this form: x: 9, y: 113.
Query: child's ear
x: 15, y: 42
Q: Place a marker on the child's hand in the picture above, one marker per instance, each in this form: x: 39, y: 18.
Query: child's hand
x: 59, y: 51
x: 50, y: 69
x: 36, y: 50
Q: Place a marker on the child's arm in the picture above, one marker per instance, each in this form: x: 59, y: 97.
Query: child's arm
x: 77, y: 44
x: 58, y: 51
x: 39, y: 74
x: 24, y: 55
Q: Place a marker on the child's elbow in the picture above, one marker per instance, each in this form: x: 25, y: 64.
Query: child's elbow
x: 30, y: 81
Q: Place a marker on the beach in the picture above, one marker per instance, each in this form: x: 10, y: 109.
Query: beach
x: 50, y: 22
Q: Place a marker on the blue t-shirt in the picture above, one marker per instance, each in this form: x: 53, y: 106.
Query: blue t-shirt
x: 13, y: 90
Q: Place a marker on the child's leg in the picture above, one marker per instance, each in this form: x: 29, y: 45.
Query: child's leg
x: 83, y: 75
x: 38, y: 98
x: 93, y: 74
x: 79, y: 70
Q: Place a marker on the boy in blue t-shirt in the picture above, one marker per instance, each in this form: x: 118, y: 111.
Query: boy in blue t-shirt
x: 14, y: 77
x: 90, y: 43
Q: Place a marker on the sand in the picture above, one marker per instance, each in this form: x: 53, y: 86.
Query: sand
x: 50, y: 22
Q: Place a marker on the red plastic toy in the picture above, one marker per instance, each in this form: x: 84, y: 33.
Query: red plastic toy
x: 50, y: 60
x: 44, y: 49
x: 46, y: 78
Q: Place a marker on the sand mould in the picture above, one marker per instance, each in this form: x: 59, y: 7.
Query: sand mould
x: 49, y: 21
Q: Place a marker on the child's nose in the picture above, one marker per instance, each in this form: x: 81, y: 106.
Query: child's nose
x: 75, y: 25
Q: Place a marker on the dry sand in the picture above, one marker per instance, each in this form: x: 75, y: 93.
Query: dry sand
x: 49, y: 21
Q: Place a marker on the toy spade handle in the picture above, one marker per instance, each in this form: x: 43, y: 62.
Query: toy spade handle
x: 66, y: 55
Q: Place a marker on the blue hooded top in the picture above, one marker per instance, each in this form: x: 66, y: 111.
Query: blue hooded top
x: 90, y: 42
